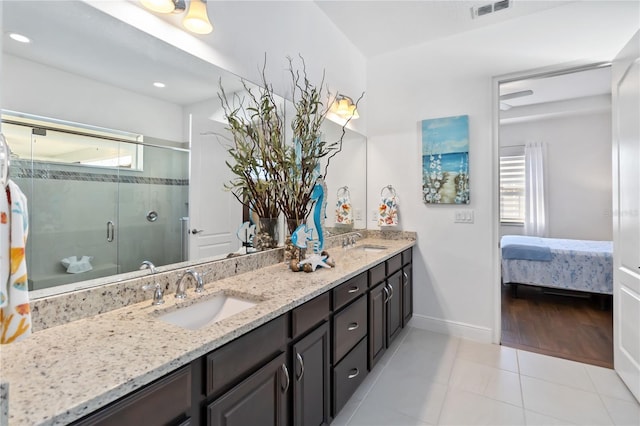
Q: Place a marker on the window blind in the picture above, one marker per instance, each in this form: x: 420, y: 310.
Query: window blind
x: 512, y: 180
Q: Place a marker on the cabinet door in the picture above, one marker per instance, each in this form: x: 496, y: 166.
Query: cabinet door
x: 394, y: 306
x: 311, y: 379
x: 164, y: 402
x: 259, y: 400
x: 377, y: 323
x: 407, y: 294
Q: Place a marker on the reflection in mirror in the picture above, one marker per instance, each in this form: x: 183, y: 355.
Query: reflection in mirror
x: 347, y: 169
x: 84, y: 66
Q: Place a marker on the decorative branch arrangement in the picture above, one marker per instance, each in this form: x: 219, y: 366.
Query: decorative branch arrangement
x: 271, y: 175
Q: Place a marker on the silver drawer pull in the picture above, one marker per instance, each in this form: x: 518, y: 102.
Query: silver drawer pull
x: 353, y: 289
x: 354, y: 373
x: 353, y: 326
x: 285, y: 370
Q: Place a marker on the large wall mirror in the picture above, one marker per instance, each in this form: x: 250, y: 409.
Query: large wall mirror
x: 117, y: 170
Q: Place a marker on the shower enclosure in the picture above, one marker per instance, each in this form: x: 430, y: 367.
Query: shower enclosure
x: 104, y: 195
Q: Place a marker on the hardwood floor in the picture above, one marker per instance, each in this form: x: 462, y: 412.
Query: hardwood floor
x: 574, y: 328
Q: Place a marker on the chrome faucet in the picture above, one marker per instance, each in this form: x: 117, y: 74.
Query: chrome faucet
x: 354, y: 238
x: 158, y: 293
x: 147, y: 264
x: 180, y: 294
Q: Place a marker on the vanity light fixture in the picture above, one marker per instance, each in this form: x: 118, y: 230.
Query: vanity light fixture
x: 196, y: 19
x: 159, y: 84
x: 344, y: 107
x: 20, y: 38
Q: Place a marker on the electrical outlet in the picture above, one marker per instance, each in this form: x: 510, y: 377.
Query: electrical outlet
x: 374, y: 215
x: 358, y: 214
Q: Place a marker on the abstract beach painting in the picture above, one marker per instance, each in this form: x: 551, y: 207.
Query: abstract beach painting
x: 445, y: 160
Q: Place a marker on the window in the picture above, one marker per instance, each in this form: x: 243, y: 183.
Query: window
x: 512, y: 181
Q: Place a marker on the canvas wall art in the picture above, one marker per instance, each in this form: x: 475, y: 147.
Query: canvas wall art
x: 445, y: 160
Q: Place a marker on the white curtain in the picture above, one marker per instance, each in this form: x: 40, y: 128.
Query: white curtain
x: 535, y: 216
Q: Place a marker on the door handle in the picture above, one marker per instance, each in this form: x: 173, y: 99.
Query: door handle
x: 196, y: 231
x: 386, y: 290
x: 110, y: 231
x: 285, y: 370
x: 406, y: 277
x: 391, y: 290
x: 301, y: 361
x: 354, y: 372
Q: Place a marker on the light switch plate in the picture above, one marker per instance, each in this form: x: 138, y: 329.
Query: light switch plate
x: 463, y: 216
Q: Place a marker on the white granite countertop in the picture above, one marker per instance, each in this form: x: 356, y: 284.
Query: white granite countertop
x: 62, y: 373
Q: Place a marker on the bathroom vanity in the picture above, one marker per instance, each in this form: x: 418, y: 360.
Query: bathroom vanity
x: 293, y: 359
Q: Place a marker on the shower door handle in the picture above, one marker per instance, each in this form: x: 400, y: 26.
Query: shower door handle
x: 110, y: 231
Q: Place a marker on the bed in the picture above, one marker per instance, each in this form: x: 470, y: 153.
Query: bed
x: 577, y: 265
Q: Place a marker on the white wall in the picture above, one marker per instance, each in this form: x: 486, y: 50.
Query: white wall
x: 247, y: 31
x: 38, y: 89
x: 578, y: 172
x: 455, y: 271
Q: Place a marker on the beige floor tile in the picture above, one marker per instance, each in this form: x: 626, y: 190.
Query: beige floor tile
x: 607, y: 382
x: 466, y: 408
x: 563, y: 402
x: 623, y: 413
x: 556, y: 370
x: 496, y: 356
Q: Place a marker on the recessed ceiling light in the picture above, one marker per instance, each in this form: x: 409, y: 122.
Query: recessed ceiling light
x: 20, y: 38
x: 159, y: 84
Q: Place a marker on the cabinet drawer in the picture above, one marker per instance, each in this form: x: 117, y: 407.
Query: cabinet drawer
x: 406, y: 256
x: 377, y: 274
x: 166, y: 401
x: 308, y: 315
x: 394, y: 264
x: 234, y: 361
x: 348, y: 291
x: 348, y: 375
x: 349, y: 326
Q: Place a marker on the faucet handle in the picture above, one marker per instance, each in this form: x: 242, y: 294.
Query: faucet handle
x: 158, y: 293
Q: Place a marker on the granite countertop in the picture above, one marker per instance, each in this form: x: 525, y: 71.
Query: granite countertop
x: 62, y: 373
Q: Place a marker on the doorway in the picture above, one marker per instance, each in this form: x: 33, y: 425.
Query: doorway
x: 568, y: 113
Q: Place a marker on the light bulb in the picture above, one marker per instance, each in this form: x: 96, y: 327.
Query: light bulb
x: 197, y: 20
x: 160, y: 6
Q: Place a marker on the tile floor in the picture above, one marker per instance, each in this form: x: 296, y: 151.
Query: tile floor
x: 428, y: 378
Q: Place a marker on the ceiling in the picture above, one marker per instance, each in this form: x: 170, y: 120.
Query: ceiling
x: 378, y: 27
x: 136, y: 59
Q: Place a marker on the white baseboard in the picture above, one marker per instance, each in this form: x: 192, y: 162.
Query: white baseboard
x: 452, y: 328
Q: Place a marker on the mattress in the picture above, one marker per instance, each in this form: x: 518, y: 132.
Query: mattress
x: 580, y: 265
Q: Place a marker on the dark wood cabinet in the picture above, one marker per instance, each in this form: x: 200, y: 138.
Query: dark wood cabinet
x: 407, y: 294
x: 349, y: 327
x: 394, y: 306
x: 164, y: 402
x: 348, y: 374
x: 377, y: 323
x: 311, y: 381
x: 261, y: 399
x: 297, y: 369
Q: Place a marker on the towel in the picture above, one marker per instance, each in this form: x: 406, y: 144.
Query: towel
x: 388, y: 211
x: 344, y: 213
x: 15, y: 312
x: 77, y: 265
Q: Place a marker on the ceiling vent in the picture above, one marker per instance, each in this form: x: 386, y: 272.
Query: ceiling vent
x: 489, y: 8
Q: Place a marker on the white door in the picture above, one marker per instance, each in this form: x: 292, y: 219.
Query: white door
x: 214, y: 214
x: 626, y: 206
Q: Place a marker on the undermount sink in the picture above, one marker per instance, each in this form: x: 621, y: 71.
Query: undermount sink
x: 370, y: 248
x: 206, y: 312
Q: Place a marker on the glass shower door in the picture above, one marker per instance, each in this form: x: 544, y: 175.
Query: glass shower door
x: 152, y: 200
x: 72, y: 209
